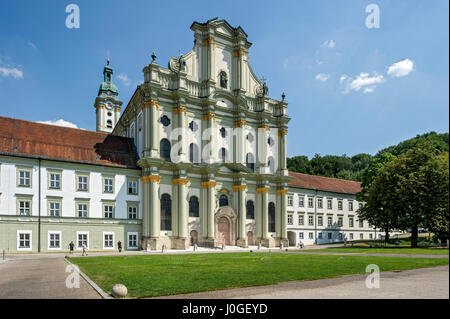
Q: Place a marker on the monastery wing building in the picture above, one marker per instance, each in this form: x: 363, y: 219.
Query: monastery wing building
x: 198, y: 156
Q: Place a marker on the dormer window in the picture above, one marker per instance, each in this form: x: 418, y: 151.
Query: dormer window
x: 223, y: 79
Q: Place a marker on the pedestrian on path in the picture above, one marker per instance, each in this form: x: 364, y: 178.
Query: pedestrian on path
x: 119, y: 245
x: 84, y: 249
x: 71, y: 245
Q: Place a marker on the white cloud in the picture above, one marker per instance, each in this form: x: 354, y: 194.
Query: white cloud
x: 363, y: 81
x: 322, y: 77
x: 402, y: 68
x: 329, y: 44
x: 59, y: 122
x: 31, y: 44
x: 124, y: 78
x: 15, y: 73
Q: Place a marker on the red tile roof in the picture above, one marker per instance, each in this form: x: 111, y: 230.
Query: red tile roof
x: 30, y: 139
x: 324, y: 183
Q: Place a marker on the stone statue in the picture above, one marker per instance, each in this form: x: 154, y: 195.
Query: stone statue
x: 223, y: 80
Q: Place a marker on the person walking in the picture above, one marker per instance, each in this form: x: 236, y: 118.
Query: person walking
x: 71, y: 246
x: 84, y: 249
x: 119, y: 245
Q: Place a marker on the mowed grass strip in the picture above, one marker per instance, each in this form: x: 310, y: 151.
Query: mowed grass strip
x: 418, y: 251
x: 160, y: 275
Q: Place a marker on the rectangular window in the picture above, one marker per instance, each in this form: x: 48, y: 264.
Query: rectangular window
x: 301, y: 220
x: 82, y: 238
x: 108, y: 240
x: 340, y: 221
x: 350, y: 205
x: 300, y: 235
x: 25, y: 178
x: 320, y: 203
x: 330, y: 235
x: 361, y: 236
x: 24, y: 240
x: 330, y: 221
x: 340, y: 236
x: 310, y: 220
x: 82, y: 183
x: 132, y: 212
x: 310, y: 202
x: 108, y: 185
x: 360, y: 205
x: 311, y: 235
x: 370, y: 236
x: 319, y: 221
x: 320, y: 235
x: 351, y: 235
x: 361, y: 224
x: 301, y: 201
x: 132, y: 187
x: 340, y: 205
x: 54, y: 240
x: 55, y: 180
x: 54, y: 209
x: 290, y: 199
x: 289, y: 219
x: 25, y: 207
x: 350, y: 222
x: 329, y: 203
x: 82, y: 209
x: 108, y: 211
x: 132, y: 240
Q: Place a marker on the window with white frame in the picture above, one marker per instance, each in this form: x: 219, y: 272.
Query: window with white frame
x: 330, y: 235
x: 340, y: 221
x: 132, y: 212
x: 24, y: 178
x: 351, y: 235
x: 54, y: 180
x: 108, y: 240
x: 301, y: 220
x: 82, y: 237
x: 360, y: 205
x: 319, y: 220
x: 361, y: 236
x: 361, y: 223
x: 320, y: 203
x: 54, y: 208
x: 25, y: 207
x: 370, y: 236
x: 350, y: 222
x: 289, y: 219
x: 301, y: 201
x: 329, y: 203
x: 340, y: 204
x: 311, y: 235
x: 310, y: 220
x: 132, y: 187
x: 108, y: 185
x: 340, y: 236
x: 82, y: 209
x: 300, y: 235
x: 330, y: 221
x: 310, y: 202
x: 290, y: 200
x: 108, y: 210
x: 24, y: 240
x: 350, y: 205
x: 132, y: 240
x: 319, y: 236
x: 82, y: 182
x: 54, y: 240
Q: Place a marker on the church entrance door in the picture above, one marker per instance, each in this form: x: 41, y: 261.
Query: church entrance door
x: 223, y: 231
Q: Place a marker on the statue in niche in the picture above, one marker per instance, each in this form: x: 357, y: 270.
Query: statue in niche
x: 223, y: 80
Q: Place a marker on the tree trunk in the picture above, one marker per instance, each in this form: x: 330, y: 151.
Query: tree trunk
x: 414, y: 236
x: 386, y: 238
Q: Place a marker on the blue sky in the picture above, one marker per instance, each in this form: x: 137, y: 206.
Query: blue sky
x: 350, y: 89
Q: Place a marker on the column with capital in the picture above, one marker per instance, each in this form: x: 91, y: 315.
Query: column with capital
x: 209, y: 189
x: 150, y: 109
x: 151, y: 214
x: 209, y: 152
x: 181, y: 137
x: 282, y: 151
x: 262, y: 149
x: 239, y: 147
x: 181, y: 184
x: 241, y: 191
x: 263, y: 213
x: 281, y: 215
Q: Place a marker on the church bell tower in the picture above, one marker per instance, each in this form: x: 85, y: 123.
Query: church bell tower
x: 107, y: 104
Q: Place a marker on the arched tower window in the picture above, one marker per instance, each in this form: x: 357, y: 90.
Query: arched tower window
x: 193, y: 206
x: 223, y: 200
x: 164, y: 149
x: 193, y: 153
x: 271, y: 217
x: 250, y: 208
x: 223, y: 132
x: 166, y: 212
x: 223, y: 154
x: 250, y: 161
x: 109, y: 124
x: 271, y: 164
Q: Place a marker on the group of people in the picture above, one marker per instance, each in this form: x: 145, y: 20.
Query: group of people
x: 84, y: 247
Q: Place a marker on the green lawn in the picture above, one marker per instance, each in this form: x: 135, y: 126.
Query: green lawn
x: 422, y: 251
x: 159, y: 275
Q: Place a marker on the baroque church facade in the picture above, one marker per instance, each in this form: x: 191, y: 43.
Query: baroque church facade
x: 198, y: 156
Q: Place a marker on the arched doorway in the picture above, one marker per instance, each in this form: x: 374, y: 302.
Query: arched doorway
x: 193, y: 237
x: 250, y: 238
x: 223, y: 231
x: 291, y: 238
